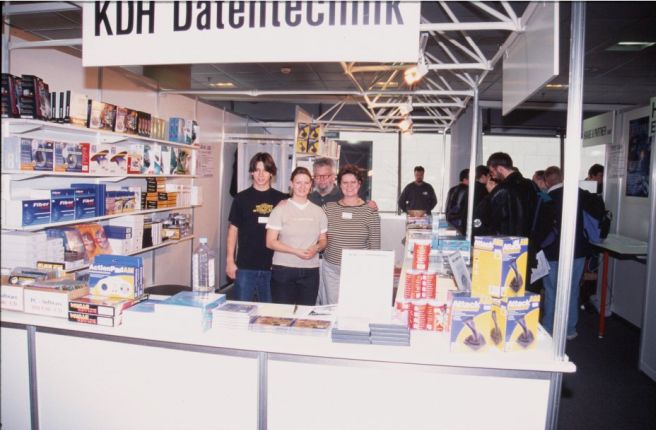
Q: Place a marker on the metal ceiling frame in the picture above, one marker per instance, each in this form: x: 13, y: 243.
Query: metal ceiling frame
x: 455, y: 67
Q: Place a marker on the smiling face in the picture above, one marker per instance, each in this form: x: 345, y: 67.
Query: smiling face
x: 349, y: 185
x: 301, y: 185
x: 261, y: 178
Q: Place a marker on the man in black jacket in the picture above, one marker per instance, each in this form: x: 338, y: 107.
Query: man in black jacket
x: 456, y: 203
x: 512, y: 204
x: 418, y: 195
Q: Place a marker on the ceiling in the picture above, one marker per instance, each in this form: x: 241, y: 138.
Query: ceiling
x: 348, y: 94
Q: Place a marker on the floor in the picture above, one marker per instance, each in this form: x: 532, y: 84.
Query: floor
x: 607, y: 391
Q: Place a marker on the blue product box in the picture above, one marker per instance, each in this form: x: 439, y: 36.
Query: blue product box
x: 85, y: 203
x: 116, y: 276
x: 20, y: 153
x: 62, y: 205
x: 71, y: 157
x: 118, y: 232
x: 23, y: 213
x: 99, y: 191
x: 176, y: 130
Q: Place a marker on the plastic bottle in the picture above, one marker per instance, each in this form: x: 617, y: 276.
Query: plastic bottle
x: 203, y: 268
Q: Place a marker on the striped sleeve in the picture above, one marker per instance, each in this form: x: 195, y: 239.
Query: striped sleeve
x: 374, y: 229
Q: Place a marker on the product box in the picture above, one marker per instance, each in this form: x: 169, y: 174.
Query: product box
x: 190, y: 309
x: 176, y: 129
x: 121, y: 116
x: 101, y: 116
x: 135, y: 158
x: 76, y: 108
x: 94, y: 239
x: 499, y: 266
x: 184, y: 164
x: 71, y: 157
x: 85, y: 203
x: 62, y: 204
x: 99, y: 158
x: 94, y: 319
x: 522, y: 315
x: 12, y: 296
x: 10, y: 96
x: 449, y: 245
x: 27, y: 154
x: 116, y: 276
x: 96, y: 190
x: 101, y: 305
x: 143, y: 124
x: 51, y: 297
x: 131, y: 121
x: 471, y: 323
x: 118, y: 161
x: 190, y: 132
x: 152, y: 160
x: 24, y: 213
x: 29, y: 101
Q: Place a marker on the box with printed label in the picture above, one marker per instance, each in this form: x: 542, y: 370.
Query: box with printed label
x: 20, y: 153
x: 499, y: 266
x: 12, y: 297
x: 99, y: 158
x: 116, y: 276
x: 71, y: 157
x: 471, y: 323
x: 51, y: 297
x: 23, y: 213
x: 62, y: 205
x: 522, y: 315
x: 85, y: 203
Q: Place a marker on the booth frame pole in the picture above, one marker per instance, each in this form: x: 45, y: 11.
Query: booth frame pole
x: 473, y: 156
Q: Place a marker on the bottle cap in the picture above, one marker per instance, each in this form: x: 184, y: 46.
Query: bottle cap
x: 203, y: 240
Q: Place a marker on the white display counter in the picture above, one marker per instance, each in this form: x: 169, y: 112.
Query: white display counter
x: 58, y: 374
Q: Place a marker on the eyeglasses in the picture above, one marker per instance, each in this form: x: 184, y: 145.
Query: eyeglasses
x: 322, y: 176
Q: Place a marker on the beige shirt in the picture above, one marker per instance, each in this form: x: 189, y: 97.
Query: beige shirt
x: 299, y: 227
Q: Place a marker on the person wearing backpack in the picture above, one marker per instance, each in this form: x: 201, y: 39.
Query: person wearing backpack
x: 554, y: 180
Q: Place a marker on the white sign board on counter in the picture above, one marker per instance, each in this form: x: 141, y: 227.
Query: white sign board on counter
x: 193, y: 32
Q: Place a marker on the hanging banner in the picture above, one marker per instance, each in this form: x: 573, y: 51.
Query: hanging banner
x: 191, y: 32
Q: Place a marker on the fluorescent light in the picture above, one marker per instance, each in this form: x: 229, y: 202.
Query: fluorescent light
x: 643, y: 44
x: 222, y: 85
x: 557, y: 86
x: 631, y: 46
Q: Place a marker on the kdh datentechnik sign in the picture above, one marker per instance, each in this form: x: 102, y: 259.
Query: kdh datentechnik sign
x: 192, y: 32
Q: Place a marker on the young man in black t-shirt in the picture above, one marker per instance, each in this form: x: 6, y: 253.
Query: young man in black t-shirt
x: 248, y: 217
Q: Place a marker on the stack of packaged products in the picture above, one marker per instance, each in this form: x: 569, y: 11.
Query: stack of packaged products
x: 233, y: 315
x: 187, y: 311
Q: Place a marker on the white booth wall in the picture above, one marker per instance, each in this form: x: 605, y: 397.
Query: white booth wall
x: 172, y: 264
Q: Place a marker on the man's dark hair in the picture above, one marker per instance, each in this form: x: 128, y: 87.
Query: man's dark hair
x: 539, y: 174
x: 481, y: 171
x: 350, y: 169
x: 324, y: 161
x: 419, y: 168
x: 267, y: 161
x: 595, y: 169
x: 464, y: 174
x: 500, y: 159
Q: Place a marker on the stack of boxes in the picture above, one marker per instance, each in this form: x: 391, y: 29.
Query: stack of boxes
x: 25, y: 249
x: 498, y: 313
x: 125, y: 234
x: 157, y: 196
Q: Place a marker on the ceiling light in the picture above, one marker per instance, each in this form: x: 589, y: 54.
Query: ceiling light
x: 414, y: 74
x: 630, y: 46
x: 222, y: 85
x: 557, y: 86
x: 405, y: 125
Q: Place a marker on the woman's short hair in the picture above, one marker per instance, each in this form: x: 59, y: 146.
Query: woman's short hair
x: 267, y: 161
x: 350, y: 169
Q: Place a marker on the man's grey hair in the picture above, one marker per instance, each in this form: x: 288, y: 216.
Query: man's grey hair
x: 324, y: 161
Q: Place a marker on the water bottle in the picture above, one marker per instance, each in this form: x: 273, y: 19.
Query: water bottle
x: 203, y: 268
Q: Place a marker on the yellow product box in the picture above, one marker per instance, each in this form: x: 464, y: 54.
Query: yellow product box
x: 522, y: 315
x: 498, y: 318
x: 499, y: 266
x: 471, y: 323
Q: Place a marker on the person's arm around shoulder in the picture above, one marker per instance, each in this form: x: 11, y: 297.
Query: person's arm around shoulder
x: 231, y: 245
x: 373, y: 225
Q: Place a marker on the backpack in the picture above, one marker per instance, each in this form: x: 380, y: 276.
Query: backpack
x: 596, y: 219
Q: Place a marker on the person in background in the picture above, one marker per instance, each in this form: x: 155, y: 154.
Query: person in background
x: 325, y: 189
x: 554, y: 180
x: 296, y: 232
x: 596, y: 173
x: 513, y: 201
x: 352, y: 224
x: 249, y: 213
x: 456, y: 203
x: 539, y: 180
x: 418, y: 195
x: 480, y: 187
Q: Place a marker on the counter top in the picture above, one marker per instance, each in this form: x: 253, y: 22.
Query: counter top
x: 623, y: 245
x: 427, y: 348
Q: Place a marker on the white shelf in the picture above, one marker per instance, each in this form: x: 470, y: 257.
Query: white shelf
x: 141, y: 251
x: 304, y: 156
x: 55, y: 131
x: 27, y: 174
x: 98, y: 218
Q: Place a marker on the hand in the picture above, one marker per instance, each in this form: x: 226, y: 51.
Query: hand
x: 231, y: 270
x: 372, y: 204
x: 307, y: 254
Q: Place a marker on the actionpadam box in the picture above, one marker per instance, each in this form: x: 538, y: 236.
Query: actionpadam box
x: 116, y: 276
x: 499, y: 266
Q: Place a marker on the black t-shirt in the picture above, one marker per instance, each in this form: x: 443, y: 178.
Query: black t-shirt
x: 249, y: 213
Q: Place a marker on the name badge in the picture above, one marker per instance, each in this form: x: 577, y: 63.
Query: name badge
x: 347, y: 215
x: 262, y: 219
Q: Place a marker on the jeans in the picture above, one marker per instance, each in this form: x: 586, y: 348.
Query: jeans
x: 253, y: 285
x: 550, y: 282
x: 294, y: 285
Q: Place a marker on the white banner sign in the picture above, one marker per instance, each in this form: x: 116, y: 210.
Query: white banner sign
x: 598, y: 130
x: 192, y: 32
